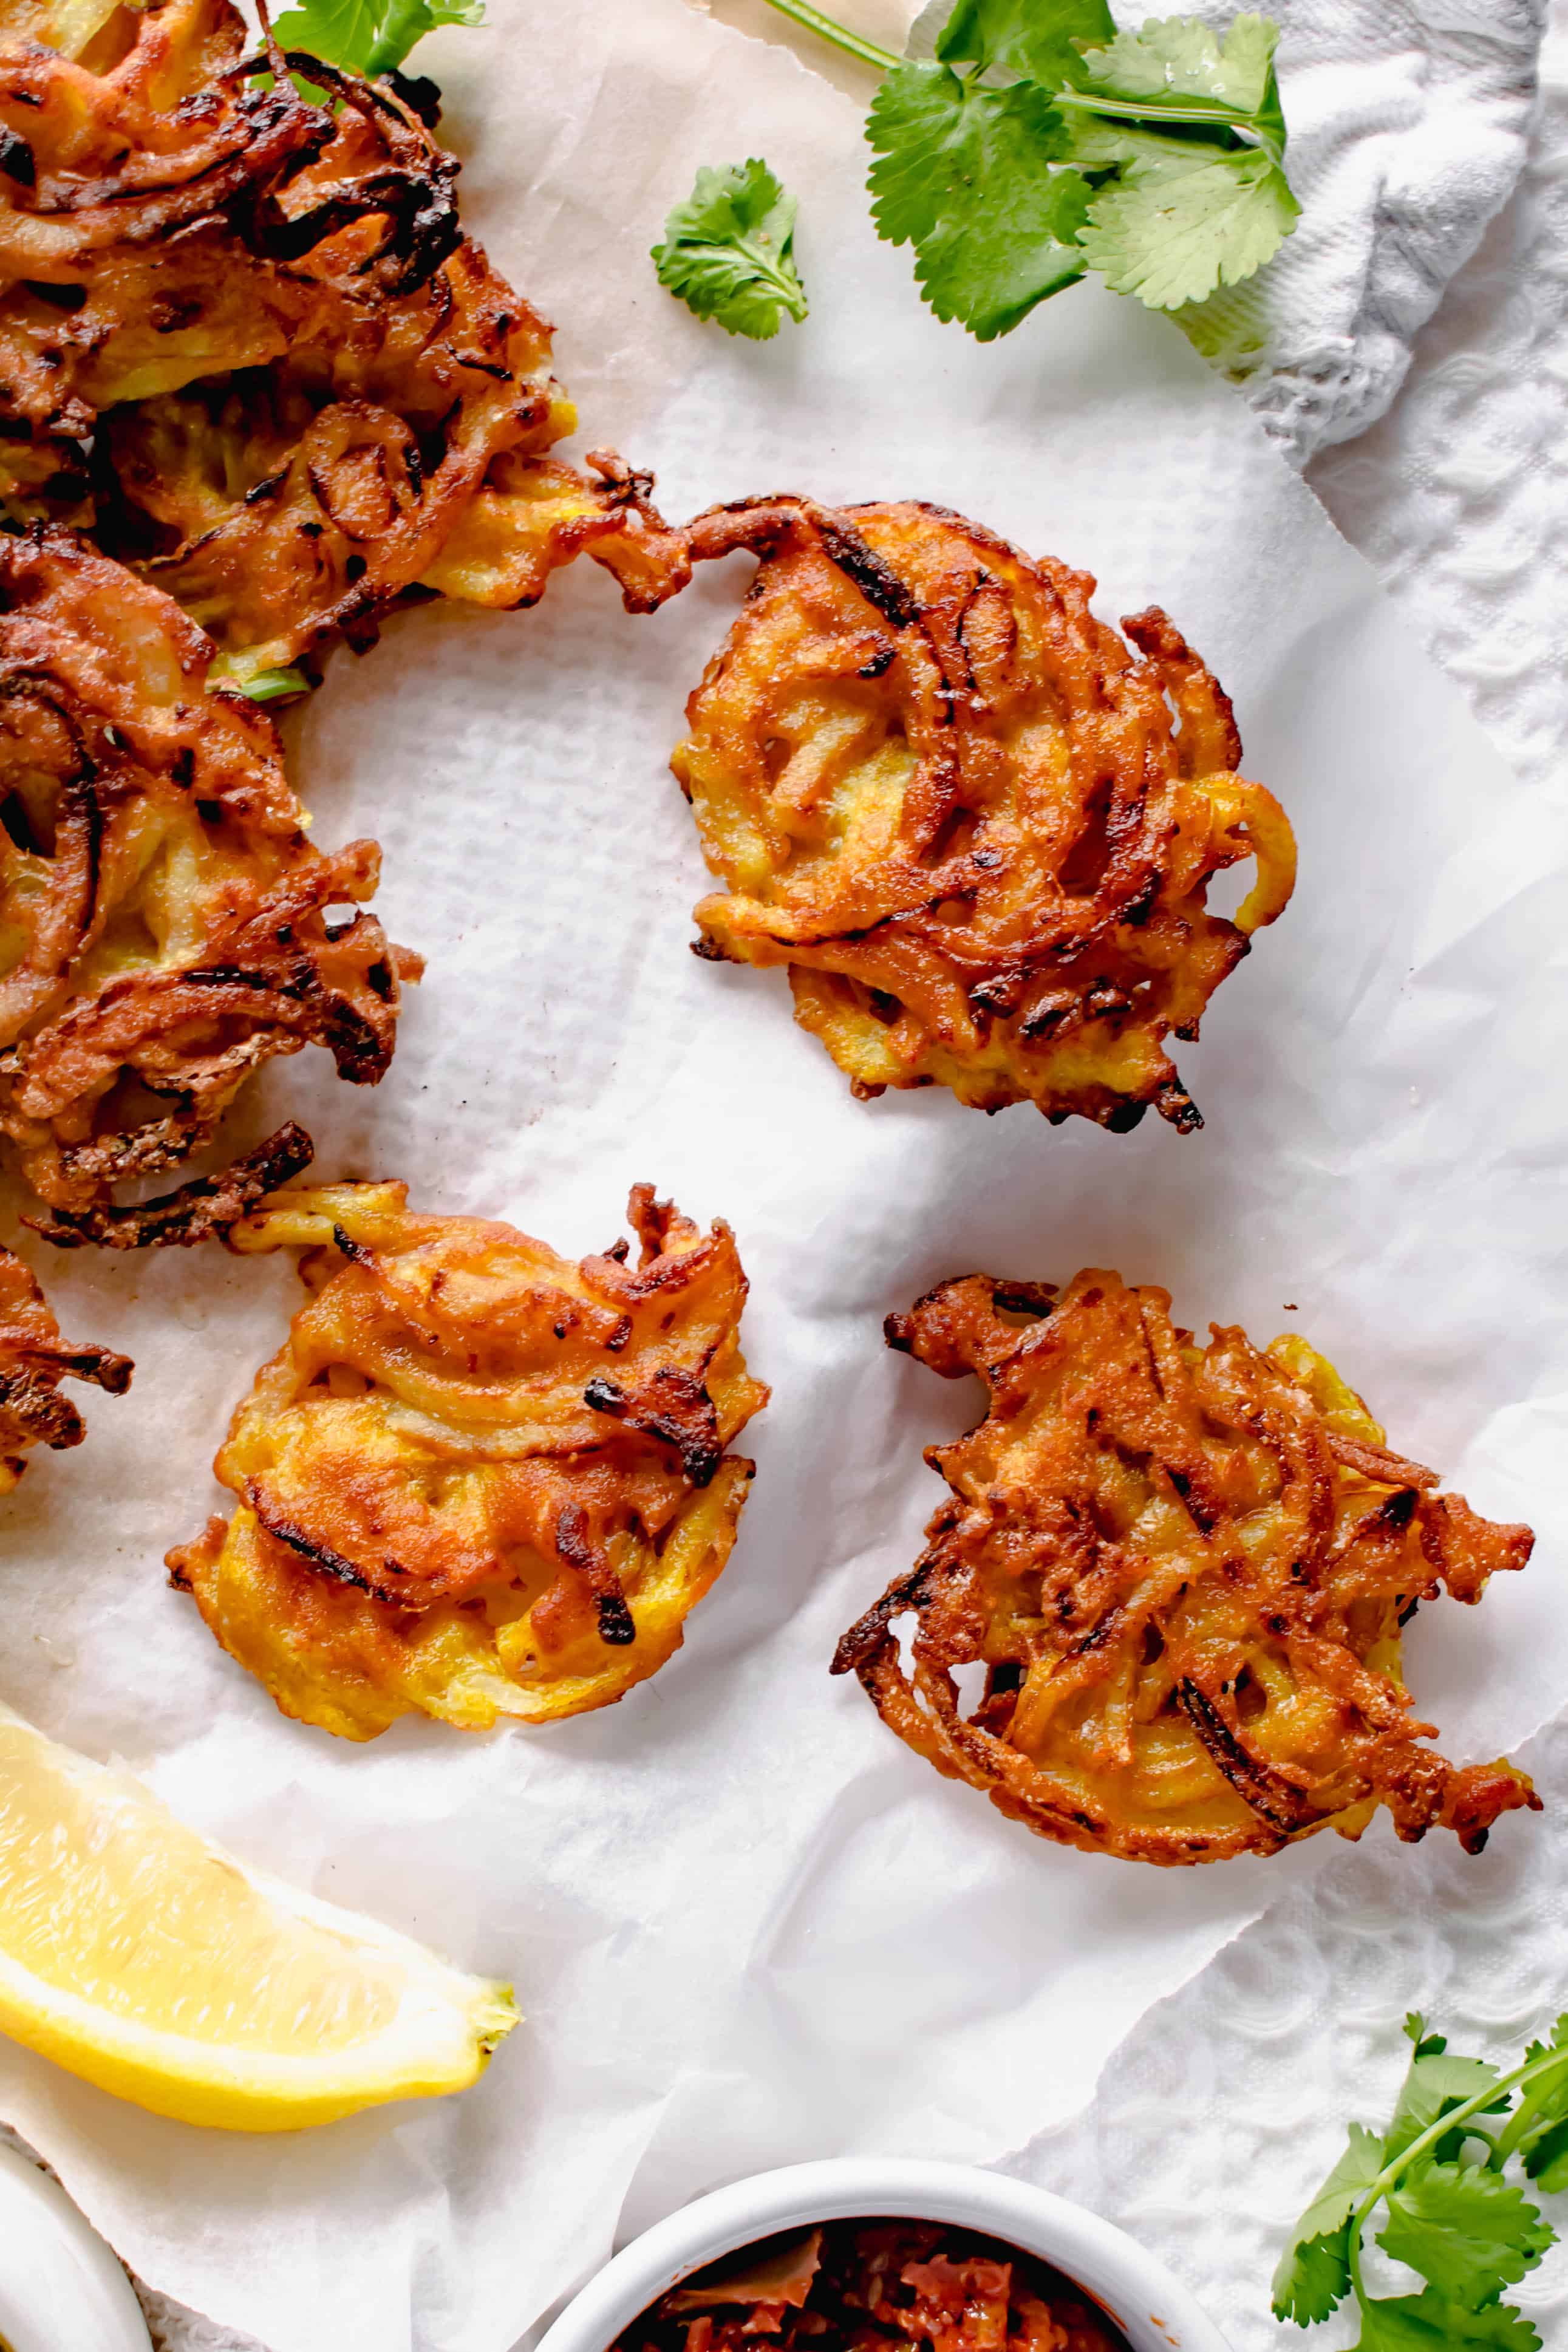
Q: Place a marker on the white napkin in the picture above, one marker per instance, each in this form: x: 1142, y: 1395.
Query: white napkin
x: 1250, y: 2072
x: 746, y: 1925
x: 1460, y: 496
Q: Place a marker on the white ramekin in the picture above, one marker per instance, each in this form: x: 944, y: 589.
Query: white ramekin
x: 1153, y: 2311
x: 61, y: 2290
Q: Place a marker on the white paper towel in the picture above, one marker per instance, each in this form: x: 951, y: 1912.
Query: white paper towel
x: 1250, y: 2075
x: 746, y: 1925
x: 1250, y: 2072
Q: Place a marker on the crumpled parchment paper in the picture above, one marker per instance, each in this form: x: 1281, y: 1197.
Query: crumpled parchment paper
x: 746, y: 1925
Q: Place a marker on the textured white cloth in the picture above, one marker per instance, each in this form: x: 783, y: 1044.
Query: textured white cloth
x: 1408, y: 123
x: 1462, y: 496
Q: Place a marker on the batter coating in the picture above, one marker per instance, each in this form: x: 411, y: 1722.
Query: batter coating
x: 975, y: 826
x: 1183, y: 1571
x: 477, y: 1480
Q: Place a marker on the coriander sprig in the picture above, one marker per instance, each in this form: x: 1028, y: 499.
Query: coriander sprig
x: 1451, y: 2216
x: 1040, y: 142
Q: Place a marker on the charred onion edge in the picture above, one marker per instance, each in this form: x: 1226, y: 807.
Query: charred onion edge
x: 203, y: 1206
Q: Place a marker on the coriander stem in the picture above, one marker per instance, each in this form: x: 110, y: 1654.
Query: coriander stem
x: 1353, y: 2257
x: 1130, y: 110
x: 1476, y: 2104
x: 802, y: 13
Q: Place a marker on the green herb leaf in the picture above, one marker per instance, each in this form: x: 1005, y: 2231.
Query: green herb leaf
x: 1175, y: 232
x: 1429, y: 2322
x: 270, y: 685
x: 1313, y: 2274
x: 369, y: 36
x: 1468, y: 2232
x: 728, y: 251
x: 1541, y: 2129
x: 1154, y: 157
x: 967, y: 176
x: 1465, y: 2228
x: 1436, y: 2084
x: 1178, y: 63
x: 1046, y: 44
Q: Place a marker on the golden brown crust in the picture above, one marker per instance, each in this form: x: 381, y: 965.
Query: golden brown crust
x: 168, y: 925
x: 312, y: 395
x: 1183, y: 1571
x: 477, y: 1480
x: 34, y: 1361
x: 974, y: 827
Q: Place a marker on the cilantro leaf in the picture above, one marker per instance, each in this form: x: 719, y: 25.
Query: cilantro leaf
x: 1429, y: 2322
x: 1542, y: 2128
x: 1436, y: 2084
x: 728, y: 251
x: 369, y: 36
x: 1040, y: 142
x: 968, y: 176
x: 1313, y: 2274
x: 1044, y: 44
x: 1178, y: 62
x: 1178, y: 69
x: 1174, y: 233
x: 1468, y: 2231
x: 1547, y: 2161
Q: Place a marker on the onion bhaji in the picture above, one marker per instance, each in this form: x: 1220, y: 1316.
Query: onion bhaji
x: 307, y: 395
x: 34, y: 1361
x: 875, y: 2287
x: 164, y: 924
x: 976, y: 828
x: 1182, y: 1571
x: 477, y: 1480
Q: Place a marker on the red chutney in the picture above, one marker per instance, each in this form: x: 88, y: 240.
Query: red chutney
x: 875, y: 2287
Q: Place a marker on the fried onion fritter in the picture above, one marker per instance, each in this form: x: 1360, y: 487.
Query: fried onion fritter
x: 476, y: 1481
x: 165, y: 927
x: 977, y: 830
x: 310, y: 396
x: 34, y: 1361
x: 1183, y: 1571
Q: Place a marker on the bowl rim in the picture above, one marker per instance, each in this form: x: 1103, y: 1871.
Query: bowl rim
x: 68, y: 2294
x: 1154, y: 2310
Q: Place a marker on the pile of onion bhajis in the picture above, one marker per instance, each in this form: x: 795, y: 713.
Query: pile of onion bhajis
x: 875, y: 2287
x: 245, y: 343
x: 1182, y: 1573
x: 477, y: 1480
x: 168, y: 925
x: 257, y: 388
x: 976, y: 828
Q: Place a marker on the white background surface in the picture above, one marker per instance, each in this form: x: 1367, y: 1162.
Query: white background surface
x: 687, y: 1947
x: 1249, y: 2075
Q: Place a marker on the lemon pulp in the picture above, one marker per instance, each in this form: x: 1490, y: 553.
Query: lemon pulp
x: 140, y: 1955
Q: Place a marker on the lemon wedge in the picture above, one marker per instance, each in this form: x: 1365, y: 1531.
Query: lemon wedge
x: 140, y: 1955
